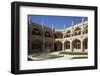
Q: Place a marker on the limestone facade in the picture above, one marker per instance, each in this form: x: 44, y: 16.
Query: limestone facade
x: 74, y: 38
x: 71, y: 39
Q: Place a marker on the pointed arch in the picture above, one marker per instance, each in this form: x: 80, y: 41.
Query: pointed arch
x: 58, y: 35
x: 47, y: 34
x: 67, y: 44
x: 58, y: 46
x: 77, y: 31
x: 36, y: 45
x: 85, y: 30
x: 85, y: 44
x: 68, y: 33
x: 76, y: 44
x: 36, y: 31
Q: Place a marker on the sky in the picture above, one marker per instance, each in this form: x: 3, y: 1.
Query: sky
x: 58, y: 22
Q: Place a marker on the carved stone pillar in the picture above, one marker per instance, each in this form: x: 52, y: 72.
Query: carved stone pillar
x: 63, y: 46
x: 82, y: 49
x: 71, y: 48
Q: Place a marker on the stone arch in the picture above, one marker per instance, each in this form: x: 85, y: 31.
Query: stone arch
x: 47, y: 34
x: 67, y: 44
x: 67, y: 34
x: 85, y: 44
x: 85, y: 30
x: 76, y: 44
x: 36, y: 45
x: 48, y: 45
x: 36, y: 31
x: 58, y: 46
x: 77, y: 31
x: 58, y: 35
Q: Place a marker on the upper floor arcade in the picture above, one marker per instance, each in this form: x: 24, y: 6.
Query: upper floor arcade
x: 75, y: 30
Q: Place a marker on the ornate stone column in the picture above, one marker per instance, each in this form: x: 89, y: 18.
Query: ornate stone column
x: 63, y: 41
x: 63, y: 46
x: 82, y: 50
x: 71, y: 48
x: 82, y: 29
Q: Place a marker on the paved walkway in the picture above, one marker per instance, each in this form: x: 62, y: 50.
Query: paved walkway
x: 53, y: 56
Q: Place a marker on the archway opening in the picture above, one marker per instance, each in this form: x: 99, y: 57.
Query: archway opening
x: 47, y: 34
x: 58, y: 46
x: 37, y: 45
x: 58, y: 35
x: 85, y: 44
x: 76, y: 44
x: 68, y: 34
x: 36, y: 31
x: 77, y: 31
x: 48, y: 46
x: 85, y: 31
x: 66, y: 45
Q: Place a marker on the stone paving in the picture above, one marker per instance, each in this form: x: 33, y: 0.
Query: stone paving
x: 53, y: 56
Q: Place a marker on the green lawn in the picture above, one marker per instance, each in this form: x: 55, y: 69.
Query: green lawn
x: 79, y: 57
x: 74, y: 53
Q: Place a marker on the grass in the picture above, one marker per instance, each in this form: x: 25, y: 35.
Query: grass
x: 79, y: 57
x: 74, y: 53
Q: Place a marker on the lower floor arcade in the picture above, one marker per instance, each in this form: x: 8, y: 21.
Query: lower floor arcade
x: 76, y: 45
x: 73, y: 46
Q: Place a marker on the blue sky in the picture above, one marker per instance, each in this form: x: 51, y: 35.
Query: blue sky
x: 58, y: 22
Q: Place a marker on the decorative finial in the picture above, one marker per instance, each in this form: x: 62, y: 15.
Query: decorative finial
x: 72, y: 23
x: 42, y: 23
x: 52, y: 27
x: 29, y: 19
x: 64, y: 26
x: 83, y: 19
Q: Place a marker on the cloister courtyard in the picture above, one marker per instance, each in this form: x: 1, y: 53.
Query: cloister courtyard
x: 51, y: 43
